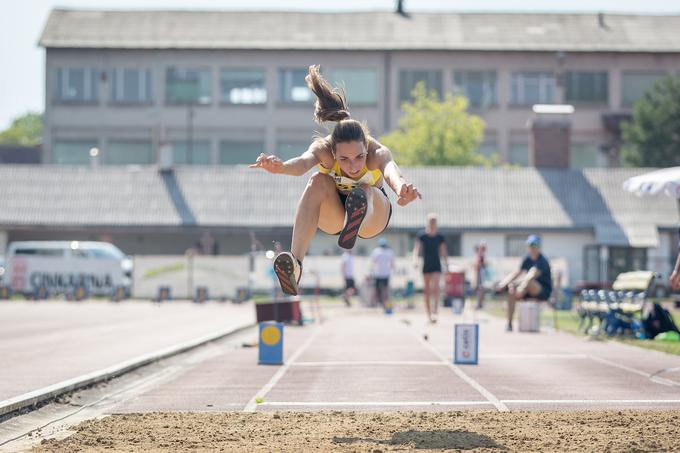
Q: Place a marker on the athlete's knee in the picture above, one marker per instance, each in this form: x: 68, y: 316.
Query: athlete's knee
x: 321, y: 183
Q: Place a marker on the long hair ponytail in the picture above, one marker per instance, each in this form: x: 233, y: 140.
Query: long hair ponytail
x: 330, y: 104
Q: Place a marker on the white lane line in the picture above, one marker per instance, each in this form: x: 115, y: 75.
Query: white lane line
x: 454, y: 403
x: 439, y: 363
x: 252, y: 404
x: 471, y: 382
x: 369, y: 362
x: 651, y: 377
x: 592, y: 401
x: 534, y: 356
x: 376, y: 403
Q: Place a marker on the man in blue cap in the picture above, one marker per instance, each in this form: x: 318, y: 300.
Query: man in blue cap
x: 536, y: 282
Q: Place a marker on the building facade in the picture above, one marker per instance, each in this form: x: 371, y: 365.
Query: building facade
x: 212, y: 88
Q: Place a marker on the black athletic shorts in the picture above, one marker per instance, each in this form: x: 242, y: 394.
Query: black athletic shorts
x: 382, y: 283
x: 343, y: 198
x: 349, y: 283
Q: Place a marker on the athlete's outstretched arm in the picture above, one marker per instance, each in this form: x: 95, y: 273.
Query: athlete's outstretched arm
x: 406, y: 192
x: 297, y: 166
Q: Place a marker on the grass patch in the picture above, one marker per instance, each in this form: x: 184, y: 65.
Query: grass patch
x: 568, y: 321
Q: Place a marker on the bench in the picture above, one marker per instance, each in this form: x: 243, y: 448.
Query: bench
x: 616, y: 310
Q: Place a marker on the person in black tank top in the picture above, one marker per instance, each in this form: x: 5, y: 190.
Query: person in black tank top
x: 432, y: 247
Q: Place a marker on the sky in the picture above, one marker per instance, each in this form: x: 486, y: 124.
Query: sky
x: 22, y: 86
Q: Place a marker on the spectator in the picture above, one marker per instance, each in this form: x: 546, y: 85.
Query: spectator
x: 432, y: 246
x: 382, y: 261
x: 480, y: 269
x: 675, y: 276
x: 536, y: 282
x: 347, y: 269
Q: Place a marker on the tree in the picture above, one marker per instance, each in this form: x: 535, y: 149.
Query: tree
x: 652, y: 139
x: 434, y: 132
x: 26, y: 130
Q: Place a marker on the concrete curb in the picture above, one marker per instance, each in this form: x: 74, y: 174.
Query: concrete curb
x: 50, y: 392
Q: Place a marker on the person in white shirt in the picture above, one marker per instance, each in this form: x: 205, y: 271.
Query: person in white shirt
x: 382, y: 260
x: 347, y: 269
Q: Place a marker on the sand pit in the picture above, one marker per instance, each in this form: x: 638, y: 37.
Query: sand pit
x: 614, y: 431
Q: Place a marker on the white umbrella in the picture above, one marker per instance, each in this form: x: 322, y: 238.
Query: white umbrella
x: 666, y: 180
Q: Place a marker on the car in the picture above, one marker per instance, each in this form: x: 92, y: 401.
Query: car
x: 61, y: 266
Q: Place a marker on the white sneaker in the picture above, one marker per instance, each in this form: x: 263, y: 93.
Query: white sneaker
x: 288, y: 271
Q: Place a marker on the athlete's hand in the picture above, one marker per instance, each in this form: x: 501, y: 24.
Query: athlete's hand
x: 675, y: 279
x: 272, y: 164
x: 407, y: 194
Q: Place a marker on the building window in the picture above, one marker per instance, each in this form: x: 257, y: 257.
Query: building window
x: 240, y: 152
x: 591, y: 263
x: 530, y: 88
x: 131, y: 86
x: 625, y: 259
x: 634, y: 85
x: 585, y: 156
x: 409, y: 79
x: 197, y: 154
x: 519, y: 154
x: 243, y: 86
x: 478, y: 86
x: 586, y: 87
x: 516, y: 245
x: 487, y: 150
x: 360, y: 85
x: 188, y: 86
x: 76, y: 85
x: 453, y: 247
x: 72, y: 152
x: 124, y: 152
x: 289, y: 149
x: 292, y: 87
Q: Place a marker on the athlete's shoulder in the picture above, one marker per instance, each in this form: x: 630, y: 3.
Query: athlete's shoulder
x: 321, y: 148
x: 377, y: 155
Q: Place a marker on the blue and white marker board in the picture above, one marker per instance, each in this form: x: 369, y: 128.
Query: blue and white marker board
x: 466, y: 344
x: 270, y: 343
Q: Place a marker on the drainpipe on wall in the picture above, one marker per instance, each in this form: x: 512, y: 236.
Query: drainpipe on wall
x: 386, y: 95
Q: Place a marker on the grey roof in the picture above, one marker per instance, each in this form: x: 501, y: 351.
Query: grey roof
x: 235, y: 197
x: 360, y: 31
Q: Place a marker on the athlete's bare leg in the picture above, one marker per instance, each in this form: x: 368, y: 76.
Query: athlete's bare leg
x: 319, y: 207
x: 427, y: 279
x: 377, y: 214
x: 434, y: 290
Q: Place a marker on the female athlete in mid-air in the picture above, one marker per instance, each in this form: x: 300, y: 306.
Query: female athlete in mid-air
x: 346, y: 197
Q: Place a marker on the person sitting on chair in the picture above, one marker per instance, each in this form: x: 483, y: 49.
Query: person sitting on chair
x: 536, y: 283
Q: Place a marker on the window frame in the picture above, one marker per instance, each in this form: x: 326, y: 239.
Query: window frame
x: 148, y: 86
x: 197, y: 102
x: 542, y: 87
x: 431, y: 71
x: 461, y: 88
x: 223, y: 97
x: 62, y: 78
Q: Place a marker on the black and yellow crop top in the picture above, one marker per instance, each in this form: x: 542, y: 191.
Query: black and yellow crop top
x: 345, y: 183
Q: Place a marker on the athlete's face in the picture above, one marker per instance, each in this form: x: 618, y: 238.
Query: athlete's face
x: 351, y: 156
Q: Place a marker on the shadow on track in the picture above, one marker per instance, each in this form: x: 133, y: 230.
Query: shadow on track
x: 438, y: 439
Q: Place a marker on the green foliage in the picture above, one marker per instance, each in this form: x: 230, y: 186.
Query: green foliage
x: 26, y: 130
x: 652, y: 139
x: 434, y: 132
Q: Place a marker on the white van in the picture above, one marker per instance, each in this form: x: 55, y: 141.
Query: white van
x: 61, y: 266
